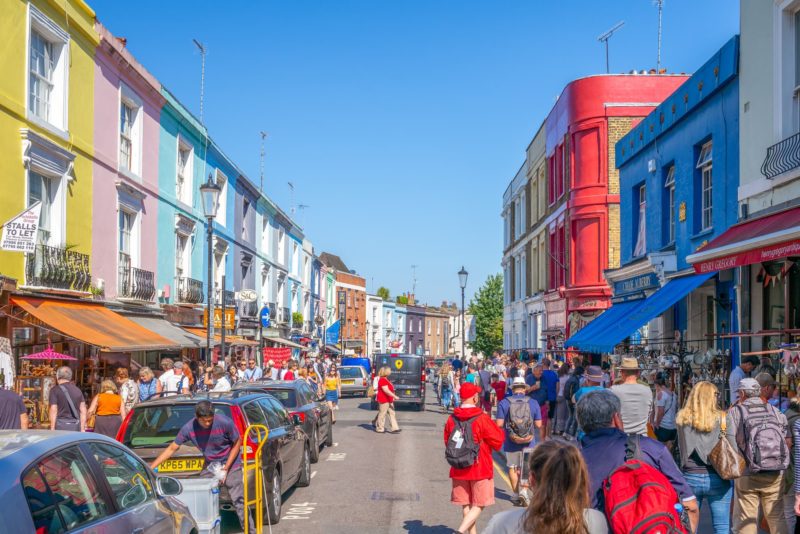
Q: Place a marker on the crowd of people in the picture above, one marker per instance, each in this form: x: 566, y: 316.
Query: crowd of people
x: 104, y: 412
x: 595, y: 449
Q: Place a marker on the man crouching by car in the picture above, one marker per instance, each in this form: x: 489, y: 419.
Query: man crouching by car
x: 219, y: 442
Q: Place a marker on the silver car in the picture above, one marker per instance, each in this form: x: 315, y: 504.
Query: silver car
x: 355, y: 380
x: 57, y: 481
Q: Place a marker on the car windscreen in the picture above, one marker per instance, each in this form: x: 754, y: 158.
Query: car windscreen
x: 287, y: 397
x: 350, y: 372
x: 154, y: 426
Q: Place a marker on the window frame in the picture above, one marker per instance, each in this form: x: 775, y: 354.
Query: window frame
x: 58, y: 113
x: 184, y: 192
x: 669, y: 185
x: 705, y: 165
x: 222, y: 204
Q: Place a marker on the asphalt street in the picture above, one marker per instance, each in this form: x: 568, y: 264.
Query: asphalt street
x: 379, y: 483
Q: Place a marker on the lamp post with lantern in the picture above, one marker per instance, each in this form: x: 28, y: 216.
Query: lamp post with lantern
x: 209, y: 193
x: 462, y: 281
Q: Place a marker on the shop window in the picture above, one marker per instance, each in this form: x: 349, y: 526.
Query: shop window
x: 222, y: 211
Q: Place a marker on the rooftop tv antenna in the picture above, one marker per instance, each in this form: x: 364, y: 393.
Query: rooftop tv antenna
x: 291, y: 196
x: 202, y: 49
x: 606, y: 36
x: 660, y: 5
x: 414, y: 279
x: 261, y: 185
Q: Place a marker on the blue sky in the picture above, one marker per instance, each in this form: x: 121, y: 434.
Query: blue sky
x: 399, y: 123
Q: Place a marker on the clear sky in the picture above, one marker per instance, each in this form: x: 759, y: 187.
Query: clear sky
x: 400, y: 123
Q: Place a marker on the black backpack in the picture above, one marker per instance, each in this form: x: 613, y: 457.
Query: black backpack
x: 462, y: 450
x: 519, y: 422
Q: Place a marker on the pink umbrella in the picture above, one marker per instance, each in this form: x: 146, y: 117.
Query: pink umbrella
x: 48, y: 354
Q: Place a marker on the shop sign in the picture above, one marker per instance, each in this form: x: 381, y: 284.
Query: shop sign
x: 637, y: 284
x: 248, y: 295
x: 230, y: 318
x: 246, y: 332
x: 270, y: 332
x: 19, y: 234
x: 763, y: 254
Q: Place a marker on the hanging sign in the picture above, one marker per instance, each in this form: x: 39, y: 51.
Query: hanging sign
x: 19, y: 234
x: 230, y: 318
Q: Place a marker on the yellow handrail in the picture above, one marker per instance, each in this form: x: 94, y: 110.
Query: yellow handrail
x: 261, y: 433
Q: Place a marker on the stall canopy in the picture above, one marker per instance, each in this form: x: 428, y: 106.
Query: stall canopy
x: 162, y: 327
x: 285, y: 342
x: 768, y: 238
x: 623, y: 319
x: 229, y: 339
x: 93, y: 324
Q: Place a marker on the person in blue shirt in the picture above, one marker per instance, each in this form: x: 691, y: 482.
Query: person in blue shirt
x: 515, y: 451
x: 550, y: 380
x: 603, y: 447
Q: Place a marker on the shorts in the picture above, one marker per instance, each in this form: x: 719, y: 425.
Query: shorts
x: 473, y: 492
x: 665, y: 434
x: 514, y: 459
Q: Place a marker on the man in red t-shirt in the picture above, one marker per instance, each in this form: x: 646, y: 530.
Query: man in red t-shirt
x: 499, y: 387
x: 473, y: 487
x: 385, y: 397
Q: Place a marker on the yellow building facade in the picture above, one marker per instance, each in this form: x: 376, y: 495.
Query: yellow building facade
x: 47, y: 72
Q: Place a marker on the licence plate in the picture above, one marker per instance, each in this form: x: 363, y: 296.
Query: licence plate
x: 408, y: 392
x: 180, y: 464
x: 348, y: 381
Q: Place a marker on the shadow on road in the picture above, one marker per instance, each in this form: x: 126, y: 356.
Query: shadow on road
x: 416, y: 527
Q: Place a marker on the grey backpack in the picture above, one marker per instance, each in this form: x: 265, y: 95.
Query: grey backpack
x: 764, y: 438
x: 519, y: 422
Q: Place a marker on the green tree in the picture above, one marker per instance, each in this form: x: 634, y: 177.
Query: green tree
x: 401, y: 299
x: 487, y: 308
x: 297, y: 319
x: 383, y: 293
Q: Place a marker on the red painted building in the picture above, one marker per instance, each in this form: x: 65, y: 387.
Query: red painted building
x: 591, y: 115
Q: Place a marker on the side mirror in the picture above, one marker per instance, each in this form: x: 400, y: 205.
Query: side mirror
x: 296, y: 419
x: 168, y: 486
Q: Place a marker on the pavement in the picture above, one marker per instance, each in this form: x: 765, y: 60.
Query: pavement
x: 379, y: 483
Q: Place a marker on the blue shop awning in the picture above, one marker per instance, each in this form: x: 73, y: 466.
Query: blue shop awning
x: 605, y: 336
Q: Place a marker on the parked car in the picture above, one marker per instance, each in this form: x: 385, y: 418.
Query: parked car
x: 286, y: 456
x: 303, y: 401
x: 83, y: 482
x: 408, y: 377
x: 363, y: 362
x: 355, y: 380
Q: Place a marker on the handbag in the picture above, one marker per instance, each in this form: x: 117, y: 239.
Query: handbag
x: 73, y: 424
x: 370, y: 392
x: 727, y: 461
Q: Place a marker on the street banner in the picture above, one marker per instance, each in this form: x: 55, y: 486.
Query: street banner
x: 332, y: 333
x: 19, y: 234
x: 278, y: 355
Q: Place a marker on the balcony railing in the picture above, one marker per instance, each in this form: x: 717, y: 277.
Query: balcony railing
x: 58, y: 268
x: 134, y: 283
x: 229, y: 296
x: 248, y: 309
x: 782, y: 157
x: 189, y: 290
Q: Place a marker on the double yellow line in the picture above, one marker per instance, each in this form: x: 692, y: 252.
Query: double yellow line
x: 501, y: 472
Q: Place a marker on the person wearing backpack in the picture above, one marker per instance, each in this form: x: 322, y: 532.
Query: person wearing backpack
x: 469, y: 438
x: 633, y: 478
x: 519, y: 416
x: 571, y: 386
x: 763, y: 438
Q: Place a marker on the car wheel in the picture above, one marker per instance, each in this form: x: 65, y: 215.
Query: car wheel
x: 329, y: 437
x: 274, y: 499
x: 315, y: 445
x: 305, y: 469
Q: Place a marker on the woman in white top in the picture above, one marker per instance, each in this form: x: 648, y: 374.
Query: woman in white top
x: 560, y: 502
x: 665, y: 410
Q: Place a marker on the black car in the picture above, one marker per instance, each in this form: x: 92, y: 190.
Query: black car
x: 408, y: 378
x: 286, y: 456
x: 303, y: 401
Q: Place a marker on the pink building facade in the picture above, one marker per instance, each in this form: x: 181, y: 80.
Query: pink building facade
x: 128, y: 105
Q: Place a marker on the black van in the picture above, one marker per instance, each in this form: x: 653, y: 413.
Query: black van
x: 408, y: 377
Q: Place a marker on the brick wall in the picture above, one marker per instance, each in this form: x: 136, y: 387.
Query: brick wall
x: 617, y: 128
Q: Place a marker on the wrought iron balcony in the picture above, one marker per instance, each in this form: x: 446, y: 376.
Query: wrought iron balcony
x: 229, y: 296
x: 782, y: 157
x: 58, y: 268
x: 248, y: 309
x: 189, y: 290
x: 134, y: 283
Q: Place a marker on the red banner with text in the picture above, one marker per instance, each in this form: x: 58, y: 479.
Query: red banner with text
x: 278, y: 355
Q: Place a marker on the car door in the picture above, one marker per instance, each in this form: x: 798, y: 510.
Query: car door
x: 279, y: 440
x: 64, y: 494
x: 133, y: 489
x: 294, y: 439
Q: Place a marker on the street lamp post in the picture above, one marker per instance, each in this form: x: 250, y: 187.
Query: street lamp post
x: 462, y: 280
x: 209, y: 192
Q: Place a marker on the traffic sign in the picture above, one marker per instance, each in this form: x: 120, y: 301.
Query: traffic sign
x: 264, y: 316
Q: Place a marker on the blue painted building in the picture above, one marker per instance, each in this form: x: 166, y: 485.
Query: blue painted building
x: 678, y: 177
x: 401, y: 322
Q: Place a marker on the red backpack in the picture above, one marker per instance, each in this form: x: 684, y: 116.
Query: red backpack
x: 639, y: 498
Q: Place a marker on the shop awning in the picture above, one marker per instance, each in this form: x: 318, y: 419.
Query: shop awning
x: 767, y: 238
x: 94, y: 324
x: 625, y: 321
x: 164, y: 328
x: 230, y: 339
x: 285, y: 342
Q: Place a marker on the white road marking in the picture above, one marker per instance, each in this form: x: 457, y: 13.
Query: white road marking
x: 335, y: 444
x: 313, y: 474
x: 300, y: 510
x: 336, y: 457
